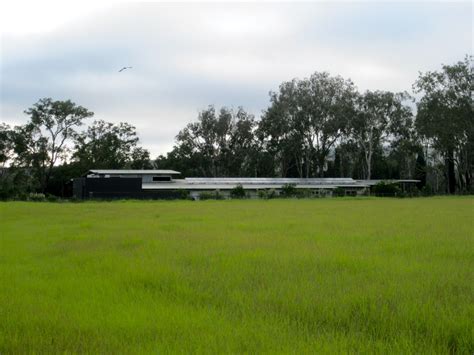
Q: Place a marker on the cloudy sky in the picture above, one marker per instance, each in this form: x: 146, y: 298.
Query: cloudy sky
x: 188, y: 55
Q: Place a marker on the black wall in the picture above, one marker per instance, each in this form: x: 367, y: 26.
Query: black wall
x: 120, y: 188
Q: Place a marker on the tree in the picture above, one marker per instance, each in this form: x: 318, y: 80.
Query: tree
x: 218, y: 144
x: 105, y: 145
x: 242, y: 157
x: 5, y: 146
x: 278, y: 133
x: 445, y: 119
x: 140, y: 159
x: 305, y: 120
x: 42, y: 142
x: 6, y: 185
x: 381, y: 115
x: 420, y: 168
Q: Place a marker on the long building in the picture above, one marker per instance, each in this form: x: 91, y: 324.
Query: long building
x: 164, y: 184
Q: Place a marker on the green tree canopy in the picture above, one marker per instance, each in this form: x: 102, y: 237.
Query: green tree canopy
x: 305, y: 120
x: 445, y: 118
x: 42, y: 142
x: 106, y: 145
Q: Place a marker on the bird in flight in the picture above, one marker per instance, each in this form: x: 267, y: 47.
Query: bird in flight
x: 121, y: 70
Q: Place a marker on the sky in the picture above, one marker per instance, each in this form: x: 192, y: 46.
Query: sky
x: 188, y: 55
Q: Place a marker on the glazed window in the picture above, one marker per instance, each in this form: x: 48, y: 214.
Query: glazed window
x: 161, y: 178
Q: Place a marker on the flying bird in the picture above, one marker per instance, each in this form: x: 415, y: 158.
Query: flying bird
x: 121, y: 70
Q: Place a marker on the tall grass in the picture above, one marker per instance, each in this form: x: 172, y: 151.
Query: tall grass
x: 278, y: 276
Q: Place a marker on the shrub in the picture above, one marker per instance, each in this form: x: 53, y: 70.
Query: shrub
x: 52, y: 198
x: 427, y: 190
x: 306, y: 193
x: 288, y: 190
x: 237, y: 192
x: 271, y: 193
x: 384, y: 188
x: 4, y: 195
x: 339, y: 192
x: 183, y: 194
x: 21, y: 196
x: 209, y: 195
x: 37, y: 197
x: 267, y: 194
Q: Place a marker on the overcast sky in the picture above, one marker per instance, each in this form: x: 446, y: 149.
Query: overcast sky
x: 189, y: 55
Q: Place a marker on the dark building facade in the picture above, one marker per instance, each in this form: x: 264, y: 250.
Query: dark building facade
x: 162, y: 184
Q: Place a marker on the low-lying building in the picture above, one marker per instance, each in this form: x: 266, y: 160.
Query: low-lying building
x: 163, y: 184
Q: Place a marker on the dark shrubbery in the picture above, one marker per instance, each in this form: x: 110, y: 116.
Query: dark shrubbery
x: 52, y: 198
x: 182, y: 195
x: 427, y: 190
x: 267, y: 194
x: 289, y: 190
x: 384, y: 188
x: 208, y: 195
x: 37, y: 197
x: 238, y: 192
x: 339, y: 192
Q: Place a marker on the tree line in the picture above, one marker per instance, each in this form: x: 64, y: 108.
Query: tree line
x: 321, y: 126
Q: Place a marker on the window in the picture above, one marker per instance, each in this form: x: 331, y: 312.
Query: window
x: 161, y: 178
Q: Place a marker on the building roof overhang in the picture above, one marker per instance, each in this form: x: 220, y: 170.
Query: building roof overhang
x: 131, y: 172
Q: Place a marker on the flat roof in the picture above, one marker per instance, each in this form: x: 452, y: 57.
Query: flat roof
x: 132, y: 172
x: 282, y: 181
x: 251, y: 183
x: 388, y: 181
x: 177, y: 186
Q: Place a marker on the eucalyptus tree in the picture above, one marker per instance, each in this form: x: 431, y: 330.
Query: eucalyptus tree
x: 217, y: 144
x: 381, y: 116
x: 307, y: 117
x: 43, y: 141
x: 278, y: 132
x: 107, y: 145
x: 6, y: 155
x: 445, y: 118
x: 243, y: 149
x: 5, y: 146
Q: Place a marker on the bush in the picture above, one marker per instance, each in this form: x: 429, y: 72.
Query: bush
x: 289, y: 190
x: 183, y: 195
x: 267, y: 194
x: 4, y: 195
x: 52, y: 198
x: 271, y: 193
x: 339, y: 192
x: 384, y: 188
x: 208, y: 195
x: 21, y: 196
x: 305, y: 193
x: 237, y: 192
x: 37, y: 197
x: 427, y: 190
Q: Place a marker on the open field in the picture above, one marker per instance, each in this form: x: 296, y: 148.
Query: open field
x: 332, y: 275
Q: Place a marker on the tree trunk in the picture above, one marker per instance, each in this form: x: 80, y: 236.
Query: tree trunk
x: 451, y: 174
x: 321, y: 165
x: 369, y: 165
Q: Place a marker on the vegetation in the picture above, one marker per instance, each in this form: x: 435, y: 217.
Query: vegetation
x: 299, y: 276
x: 289, y: 190
x: 211, y: 195
x: 238, y: 192
x: 267, y: 194
x: 320, y: 126
x: 385, y: 189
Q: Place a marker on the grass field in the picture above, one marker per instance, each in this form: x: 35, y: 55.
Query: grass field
x: 300, y: 276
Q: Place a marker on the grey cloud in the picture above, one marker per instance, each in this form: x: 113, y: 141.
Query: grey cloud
x: 187, y: 56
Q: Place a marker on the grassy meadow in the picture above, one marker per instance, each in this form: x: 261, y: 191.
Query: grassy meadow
x: 361, y: 275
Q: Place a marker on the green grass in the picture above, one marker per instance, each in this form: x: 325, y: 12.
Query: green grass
x: 281, y: 276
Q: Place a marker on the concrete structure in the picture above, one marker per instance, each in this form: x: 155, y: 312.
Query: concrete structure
x: 158, y: 184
